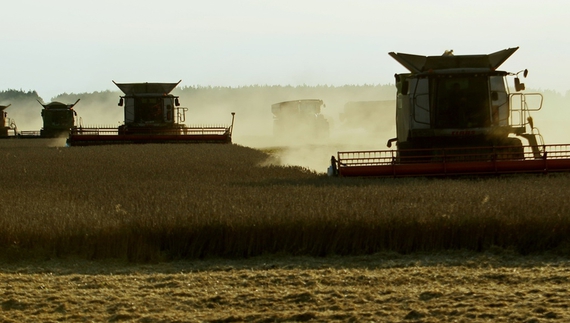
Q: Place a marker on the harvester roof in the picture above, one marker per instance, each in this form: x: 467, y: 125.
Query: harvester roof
x: 419, y: 64
x: 146, y: 88
x: 56, y: 105
x: 2, y: 107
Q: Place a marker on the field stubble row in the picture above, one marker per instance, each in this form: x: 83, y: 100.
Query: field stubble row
x: 163, y: 202
x: 461, y: 286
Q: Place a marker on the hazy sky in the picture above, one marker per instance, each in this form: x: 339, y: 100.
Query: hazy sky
x: 57, y: 46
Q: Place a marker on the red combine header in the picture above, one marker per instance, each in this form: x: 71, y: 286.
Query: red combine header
x: 151, y: 115
x: 455, y: 115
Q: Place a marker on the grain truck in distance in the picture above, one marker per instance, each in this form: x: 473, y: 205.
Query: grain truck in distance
x: 299, y: 120
x: 7, y: 125
x: 151, y: 115
x: 455, y: 115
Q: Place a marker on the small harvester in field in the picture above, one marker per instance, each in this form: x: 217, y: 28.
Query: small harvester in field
x: 58, y: 120
x: 455, y: 115
x: 8, y: 125
x: 151, y: 115
x: 299, y: 119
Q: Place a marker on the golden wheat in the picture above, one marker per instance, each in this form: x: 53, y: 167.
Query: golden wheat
x: 155, y: 202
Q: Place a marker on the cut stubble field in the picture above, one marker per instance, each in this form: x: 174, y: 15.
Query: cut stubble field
x: 444, y: 287
x: 220, y: 233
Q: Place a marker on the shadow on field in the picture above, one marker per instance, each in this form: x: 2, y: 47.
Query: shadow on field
x: 324, y: 180
x: 494, y: 258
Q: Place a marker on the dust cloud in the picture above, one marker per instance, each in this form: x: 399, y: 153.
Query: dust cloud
x: 297, y: 146
x: 26, y: 114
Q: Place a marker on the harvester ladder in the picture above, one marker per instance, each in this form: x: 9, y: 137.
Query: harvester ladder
x: 520, y: 110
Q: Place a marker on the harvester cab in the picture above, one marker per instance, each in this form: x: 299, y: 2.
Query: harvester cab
x: 151, y: 115
x: 6, y: 123
x: 58, y: 119
x: 456, y: 115
x: 299, y: 120
x: 149, y: 106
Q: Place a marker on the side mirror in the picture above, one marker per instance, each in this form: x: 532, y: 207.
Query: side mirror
x: 121, y: 102
x: 525, y: 73
x: 176, y: 102
x: 518, y: 85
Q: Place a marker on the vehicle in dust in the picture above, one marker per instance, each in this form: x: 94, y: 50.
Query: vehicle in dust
x: 299, y: 120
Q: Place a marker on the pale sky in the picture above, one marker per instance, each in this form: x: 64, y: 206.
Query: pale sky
x: 57, y: 46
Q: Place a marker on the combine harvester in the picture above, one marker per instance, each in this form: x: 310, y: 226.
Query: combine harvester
x: 58, y: 120
x: 7, y: 124
x: 299, y: 119
x: 456, y: 116
x: 151, y: 115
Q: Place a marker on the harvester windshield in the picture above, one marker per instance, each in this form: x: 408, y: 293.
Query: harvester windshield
x: 461, y: 102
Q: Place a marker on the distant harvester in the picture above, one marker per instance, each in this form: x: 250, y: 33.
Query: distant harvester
x: 6, y: 124
x: 151, y: 115
x: 299, y: 119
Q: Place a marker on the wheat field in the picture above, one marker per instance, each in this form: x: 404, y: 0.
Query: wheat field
x: 220, y: 233
x: 168, y: 202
